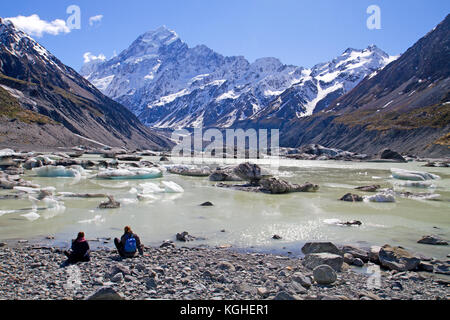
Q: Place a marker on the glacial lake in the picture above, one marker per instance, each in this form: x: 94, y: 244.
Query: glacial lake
x: 249, y: 219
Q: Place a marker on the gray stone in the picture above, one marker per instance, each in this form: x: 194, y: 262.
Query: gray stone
x: 348, y: 258
x: 358, y: 262
x: 433, y: 240
x: 150, y: 283
x: 324, y: 274
x: 397, y: 258
x: 225, y: 265
x: 283, y: 295
x: 351, y: 198
x: 314, y: 260
x: 106, y: 293
x: 118, y: 277
x: 357, y: 253
x: 302, y: 279
x: 374, y: 254
x: 319, y: 247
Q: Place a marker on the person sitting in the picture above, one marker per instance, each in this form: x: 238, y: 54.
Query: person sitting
x: 79, y: 251
x: 129, y: 244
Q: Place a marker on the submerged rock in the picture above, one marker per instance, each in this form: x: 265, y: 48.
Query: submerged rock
x: 397, y: 258
x: 207, y: 204
x: 433, y: 240
x: 372, y: 188
x: 278, y: 186
x: 351, y: 198
x: 184, y: 237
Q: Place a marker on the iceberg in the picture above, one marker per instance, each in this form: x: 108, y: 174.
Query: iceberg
x: 57, y: 172
x: 31, y: 216
x: 413, y: 175
x: 381, y: 197
x: 415, y: 184
x: 130, y: 173
x: 172, y: 187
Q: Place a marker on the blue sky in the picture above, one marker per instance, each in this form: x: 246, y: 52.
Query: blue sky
x: 299, y: 32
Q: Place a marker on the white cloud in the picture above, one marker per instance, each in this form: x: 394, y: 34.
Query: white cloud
x: 88, y: 57
x: 95, y: 19
x: 35, y: 26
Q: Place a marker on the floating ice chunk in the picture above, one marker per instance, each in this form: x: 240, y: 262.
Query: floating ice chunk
x: 151, y: 188
x: 381, y: 197
x: 415, y: 184
x: 27, y: 189
x: 133, y: 190
x: 172, y: 187
x: 146, y: 197
x: 96, y: 219
x: 413, y: 175
x: 3, y: 212
x: 7, y: 153
x: 130, y: 173
x: 31, y: 216
x: 56, y: 172
x: 331, y: 221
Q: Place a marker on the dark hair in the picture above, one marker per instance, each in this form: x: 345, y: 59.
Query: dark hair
x: 127, y: 229
x: 80, y: 235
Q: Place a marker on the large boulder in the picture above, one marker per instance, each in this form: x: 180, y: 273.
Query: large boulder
x: 357, y: 253
x: 278, y: 186
x: 106, y: 293
x: 433, y: 240
x: 224, y: 174
x: 324, y: 274
x: 314, y: 260
x: 389, y: 154
x: 351, y: 198
x: 320, y: 247
x: 397, y: 258
x: 249, y: 172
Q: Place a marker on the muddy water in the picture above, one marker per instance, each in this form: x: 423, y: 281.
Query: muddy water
x: 249, y: 219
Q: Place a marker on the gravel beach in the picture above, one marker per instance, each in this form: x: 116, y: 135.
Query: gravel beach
x: 28, y: 272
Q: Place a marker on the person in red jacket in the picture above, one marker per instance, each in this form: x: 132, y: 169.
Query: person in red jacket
x: 79, y: 251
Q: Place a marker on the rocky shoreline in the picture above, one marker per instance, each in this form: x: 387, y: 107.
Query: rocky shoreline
x: 30, y: 272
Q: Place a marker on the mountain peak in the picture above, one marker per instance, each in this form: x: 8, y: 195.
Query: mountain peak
x: 160, y: 36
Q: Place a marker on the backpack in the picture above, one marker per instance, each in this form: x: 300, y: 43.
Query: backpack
x: 130, y: 244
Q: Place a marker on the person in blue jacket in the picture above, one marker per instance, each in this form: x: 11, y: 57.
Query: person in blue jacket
x: 129, y: 244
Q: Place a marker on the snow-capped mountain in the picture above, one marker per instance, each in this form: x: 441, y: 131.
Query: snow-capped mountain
x: 46, y: 103
x: 169, y: 85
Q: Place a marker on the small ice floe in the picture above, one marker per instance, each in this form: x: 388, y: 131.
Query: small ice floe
x: 130, y: 173
x: 3, y: 212
x: 126, y: 201
x: 133, y: 190
x: 58, y: 172
x: 413, y: 175
x: 380, y: 197
x: 419, y: 196
x: 31, y: 216
x: 120, y: 185
x: 172, y: 187
x: 146, y: 197
x: 96, y: 219
x: 415, y: 184
x: 186, y: 170
x: 151, y: 188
